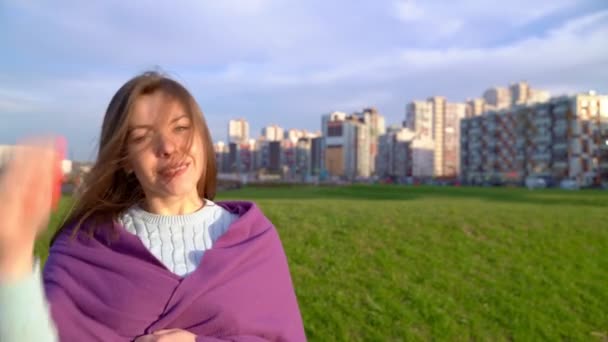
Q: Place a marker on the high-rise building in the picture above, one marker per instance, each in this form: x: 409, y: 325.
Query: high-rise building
x: 347, y: 146
x: 317, y: 155
x: 538, y: 96
x: 272, y: 133
x: 423, y: 161
x: 475, y: 107
x: 497, y: 98
x: 238, y: 131
x: 436, y: 125
x: 564, y: 138
x: 288, y: 156
x: 274, y: 157
x: 395, y: 153
x: 377, y: 127
x: 451, y: 143
x: 439, y: 106
x: 222, y: 156
x: 303, y: 158
x: 523, y: 94
x: 419, y: 118
x: 293, y: 135
x: 402, y: 153
x: 234, y: 158
x: 520, y: 93
x: 241, y: 157
x: 249, y: 151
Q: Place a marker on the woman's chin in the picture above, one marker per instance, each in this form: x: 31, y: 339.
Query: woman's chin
x: 176, y: 189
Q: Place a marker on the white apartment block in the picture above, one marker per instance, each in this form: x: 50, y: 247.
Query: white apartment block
x: 565, y: 138
x: 238, y: 131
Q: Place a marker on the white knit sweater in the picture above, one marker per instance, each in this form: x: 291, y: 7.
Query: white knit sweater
x: 179, y: 241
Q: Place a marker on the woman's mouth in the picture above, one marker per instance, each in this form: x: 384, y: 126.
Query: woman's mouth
x: 174, y: 171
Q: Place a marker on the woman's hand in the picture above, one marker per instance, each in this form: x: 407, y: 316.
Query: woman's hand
x: 27, y: 187
x: 169, y: 335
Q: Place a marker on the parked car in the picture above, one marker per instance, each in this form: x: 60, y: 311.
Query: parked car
x: 535, y: 183
x: 569, y: 184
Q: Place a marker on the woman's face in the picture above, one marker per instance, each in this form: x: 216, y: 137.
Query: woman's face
x: 159, y: 130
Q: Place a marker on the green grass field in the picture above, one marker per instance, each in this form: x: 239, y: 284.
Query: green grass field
x: 416, y: 263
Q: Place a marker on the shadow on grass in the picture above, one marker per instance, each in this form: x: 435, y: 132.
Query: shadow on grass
x: 588, y: 198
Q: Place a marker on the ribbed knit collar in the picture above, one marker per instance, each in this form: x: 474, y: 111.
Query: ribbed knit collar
x: 196, y: 217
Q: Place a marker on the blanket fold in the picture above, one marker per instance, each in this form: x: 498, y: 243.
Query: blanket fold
x: 117, y: 291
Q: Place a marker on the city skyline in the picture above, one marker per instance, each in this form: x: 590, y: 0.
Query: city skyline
x: 285, y: 64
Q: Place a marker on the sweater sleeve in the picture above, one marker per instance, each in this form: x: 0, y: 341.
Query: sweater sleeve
x: 24, y: 311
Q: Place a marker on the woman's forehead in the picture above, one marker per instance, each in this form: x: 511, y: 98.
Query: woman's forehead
x: 156, y: 108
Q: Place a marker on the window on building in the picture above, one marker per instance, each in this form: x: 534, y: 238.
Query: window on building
x: 585, y: 145
x: 334, y: 131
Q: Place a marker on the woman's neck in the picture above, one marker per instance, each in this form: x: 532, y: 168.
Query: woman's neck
x: 172, y: 206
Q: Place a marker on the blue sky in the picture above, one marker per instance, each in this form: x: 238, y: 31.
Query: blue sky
x: 285, y: 62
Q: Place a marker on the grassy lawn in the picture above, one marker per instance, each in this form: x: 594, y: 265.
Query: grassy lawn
x: 394, y: 263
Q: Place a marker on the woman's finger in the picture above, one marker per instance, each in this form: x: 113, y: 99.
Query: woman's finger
x: 146, y: 338
x: 164, y: 332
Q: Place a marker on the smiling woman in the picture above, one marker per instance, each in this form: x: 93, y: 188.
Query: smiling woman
x: 145, y: 254
x: 161, y: 125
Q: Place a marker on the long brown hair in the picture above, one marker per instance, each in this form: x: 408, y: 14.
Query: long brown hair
x: 108, y: 189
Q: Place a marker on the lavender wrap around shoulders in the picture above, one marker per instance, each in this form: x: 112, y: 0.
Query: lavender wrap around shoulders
x: 118, y: 291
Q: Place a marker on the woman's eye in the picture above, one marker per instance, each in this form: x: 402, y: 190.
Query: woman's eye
x: 182, y: 128
x: 138, y: 139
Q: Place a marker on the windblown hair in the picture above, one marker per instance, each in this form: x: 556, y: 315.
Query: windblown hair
x: 108, y: 189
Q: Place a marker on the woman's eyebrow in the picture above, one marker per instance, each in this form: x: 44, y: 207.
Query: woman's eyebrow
x: 180, y: 117
x: 134, y: 127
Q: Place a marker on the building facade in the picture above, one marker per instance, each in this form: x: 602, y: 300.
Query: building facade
x: 419, y: 119
x: 497, y: 98
x: 564, y: 138
x: 346, y: 145
x: 520, y: 93
x: 238, y: 131
x: 475, y: 107
x: 454, y: 112
x: 272, y: 133
x: 317, y: 155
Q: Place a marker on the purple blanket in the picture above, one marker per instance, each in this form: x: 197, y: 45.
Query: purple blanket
x: 241, y: 291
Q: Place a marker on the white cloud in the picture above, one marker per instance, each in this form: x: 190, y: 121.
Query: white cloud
x: 271, y: 58
x: 14, y: 101
x: 560, y: 49
x: 409, y: 11
x: 433, y: 20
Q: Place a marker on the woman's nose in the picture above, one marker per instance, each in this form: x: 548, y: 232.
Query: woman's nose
x: 166, y: 145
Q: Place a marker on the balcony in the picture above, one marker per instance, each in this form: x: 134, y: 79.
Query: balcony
x: 560, y: 128
x: 561, y: 164
x: 540, y: 121
x: 542, y: 156
x: 542, y: 138
x: 561, y: 109
x: 544, y: 111
x: 560, y: 146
